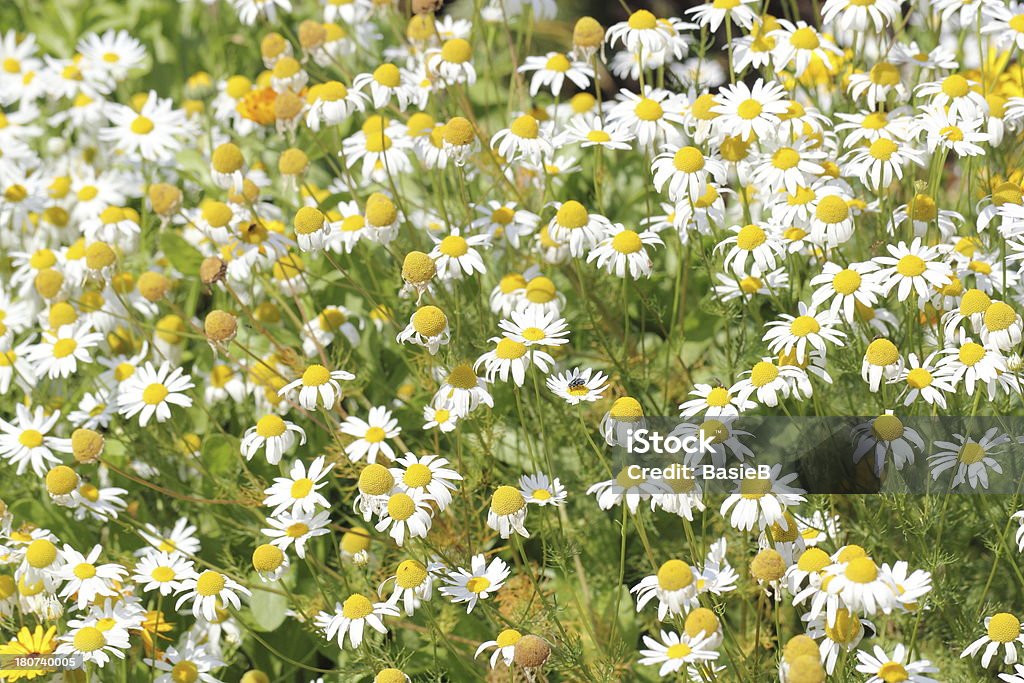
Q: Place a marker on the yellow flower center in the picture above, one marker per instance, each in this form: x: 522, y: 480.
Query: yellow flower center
x: 267, y: 558
x: 749, y: 109
x: 507, y: 500
x: 462, y: 377
x: 572, y: 215
x: 910, y: 266
x: 846, y: 282
x: 558, y: 62
x: 882, y: 149
x: 387, y: 75
x: 297, y: 530
x: 429, y: 321
x: 401, y: 507
x: 1017, y: 23
x: 410, y: 574
x: 154, y: 394
x: 955, y: 86
x: 210, y: 583
x: 861, y: 570
x: 508, y: 637
x: 478, y: 584
x: 804, y: 325
x: 454, y: 246
x: 315, y: 375
x: 301, y: 487
x: 763, y: 373
x: 845, y: 629
x: 270, y: 426
x: 356, y: 607
x: 1003, y: 628
x: 688, y: 160
x: 678, y: 651
x: 627, y: 242
x: 184, y: 672
x: 40, y: 553
x: 648, y: 110
x: 882, y: 352
x: 674, y: 575
x: 804, y: 39
x: 971, y: 353
x: 31, y: 438
x: 813, y: 560
x: 598, y: 136
x: 750, y: 237
x: 642, y: 20
x: 971, y: 453
x: 142, y: 125
x: 84, y: 570
x: 785, y: 158
x: 525, y: 127
x: 509, y: 349
x: 832, y: 209
x: 627, y: 409
x: 89, y: 639
x: 999, y: 316
x: 893, y: 672
x: 308, y: 220
x: 417, y: 476
x: 375, y: 480
x: 162, y: 574
x: 374, y: 435
x: 919, y: 378
x: 952, y: 133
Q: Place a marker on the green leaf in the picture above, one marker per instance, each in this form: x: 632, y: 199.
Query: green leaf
x: 268, y: 609
x: 220, y: 453
x: 180, y: 253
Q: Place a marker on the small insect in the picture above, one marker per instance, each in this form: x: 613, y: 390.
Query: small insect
x: 577, y: 383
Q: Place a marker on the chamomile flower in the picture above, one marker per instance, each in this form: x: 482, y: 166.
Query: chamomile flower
x: 538, y: 489
x: 845, y: 633
x: 1004, y: 23
x: 26, y: 441
x: 574, y: 224
x: 405, y: 515
x: 300, y: 490
x: 189, y: 658
x: 511, y: 359
x: 150, y: 392
x: 159, y: 571
x: 674, y: 652
x: 878, y: 163
x: 1001, y: 326
x: 808, y: 331
x: 507, y: 513
x: 504, y: 647
x: 592, y: 132
x: 414, y: 584
x: 942, y: 129
x: 207, y: 590
x: 93, y: 644
x: 762, y: 501
x: 153, y: 133
x: 370, y: 435
x: 428, y: 327
x: 754, y: 242
x: 387, y: 82
x: 748, y: 112
x: 652, y: 116
x: 675, y: 587
x: 971, y: 458
x: 273, y: 435
x: 685, y: 172
x: 426, y: 475
x: 915, y: 268
x: 846, y: 287
x: 624, y: 251
x: 578, y: 385
x: 462, y: 391
x: 85, y: 579
x: 552, y: 70
x: 291, y: 529
x: 641, y: 33
x: 524, y: 139
x: 972, y: 363
x: 853, y: 15
x: 1002, y: 631
x: 317, y: 383
x: 924, y: 379
x: 60, y: 352
x: 456, y: 256
x: 481, y: 580
x: 350, y: 619
x: 712, y: 14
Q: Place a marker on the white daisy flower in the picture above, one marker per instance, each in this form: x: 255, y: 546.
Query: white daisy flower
x: 1002, y: 631
x: 150, y: 392
x: 296, y: 529
x: 27, y: 441
x: 208, y: 591
x: 317, y: 382
x: 370, y: 435
x: 476, y: 583
x: 299, y: 491
x: 352, y: 617
x: 578, y: 385
x: 273, y: 434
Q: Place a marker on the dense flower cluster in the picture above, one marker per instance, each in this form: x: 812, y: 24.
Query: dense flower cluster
x: 331, y: 345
